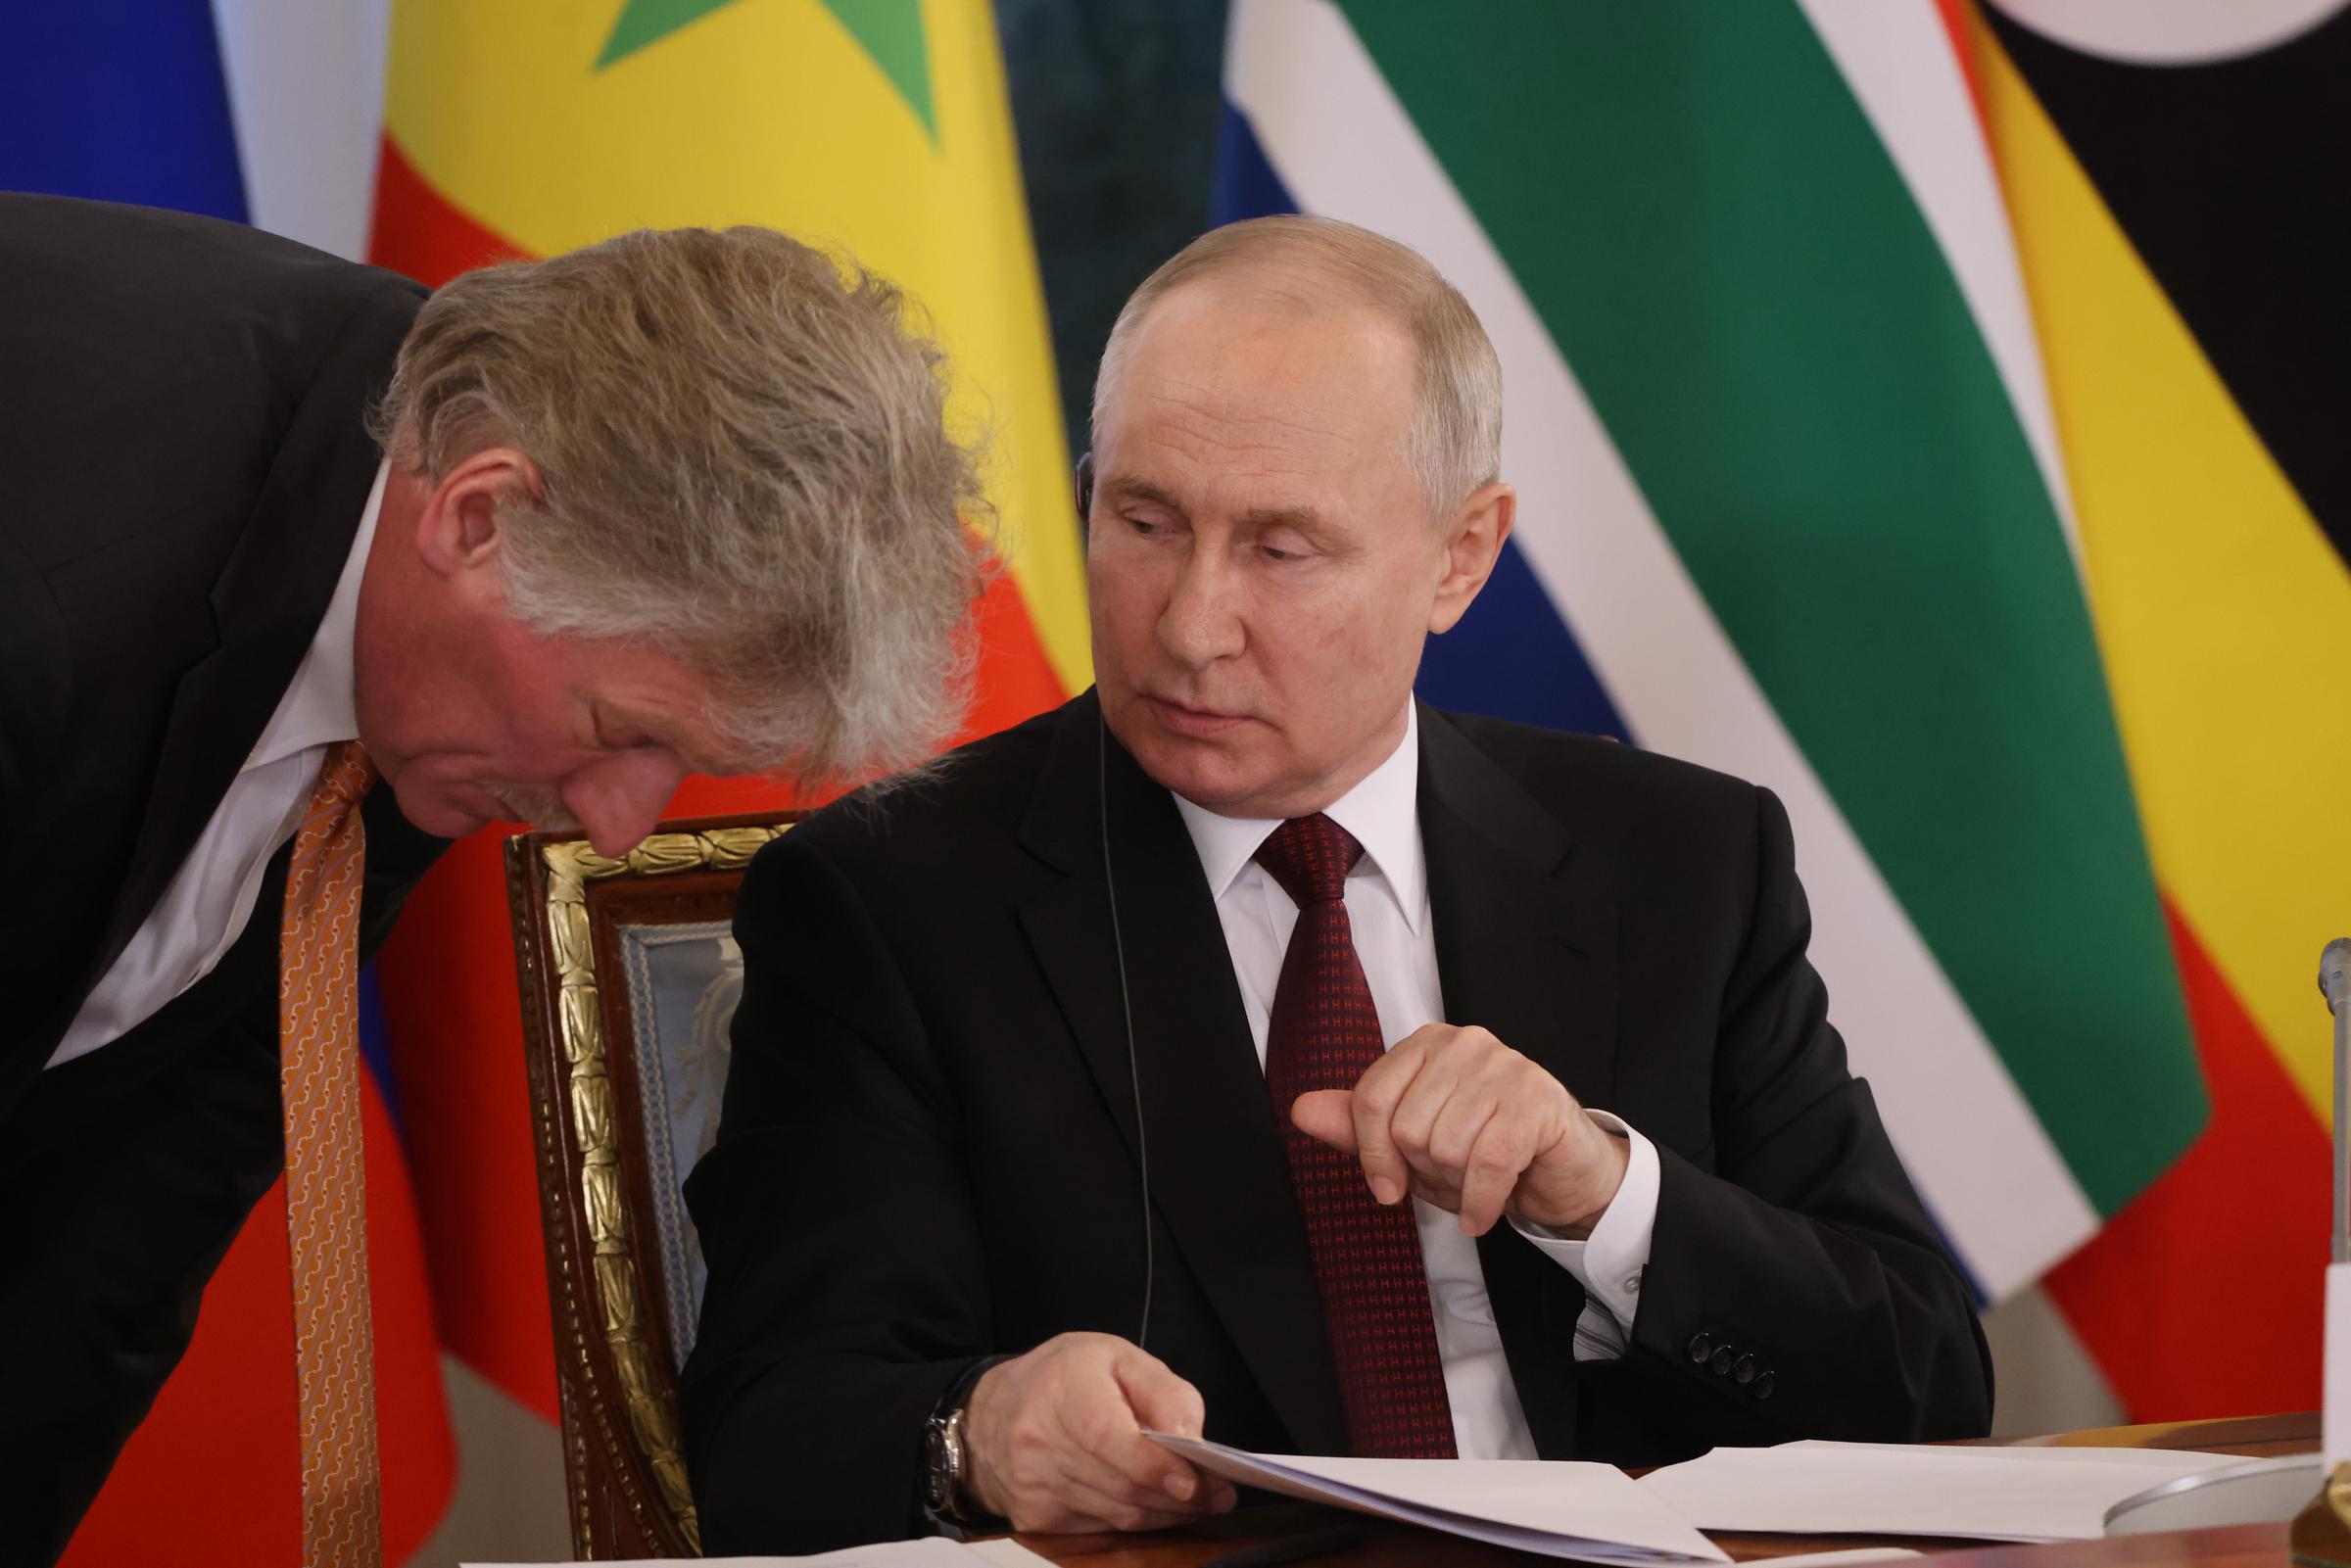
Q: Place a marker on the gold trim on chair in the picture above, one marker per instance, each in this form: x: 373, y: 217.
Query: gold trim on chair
x: 570, y: 865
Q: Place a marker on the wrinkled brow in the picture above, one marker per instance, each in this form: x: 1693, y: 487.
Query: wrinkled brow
x: 1305, y: 519
x: 1126, y: 487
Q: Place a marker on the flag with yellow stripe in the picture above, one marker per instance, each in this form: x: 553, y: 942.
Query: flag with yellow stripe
x: 532, y: 127
x: 2172, y: 186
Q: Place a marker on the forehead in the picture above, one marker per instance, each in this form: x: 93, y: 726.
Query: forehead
x: 1241, y: 383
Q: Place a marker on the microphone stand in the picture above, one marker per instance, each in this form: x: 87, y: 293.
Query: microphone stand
x: 2322, y: 1533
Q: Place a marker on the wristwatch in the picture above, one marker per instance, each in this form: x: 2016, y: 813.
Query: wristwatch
x: 946, y: 1471
x: 946, y: 1463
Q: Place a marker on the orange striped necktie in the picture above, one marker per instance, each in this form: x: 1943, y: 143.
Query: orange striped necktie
x: 326, y: 1183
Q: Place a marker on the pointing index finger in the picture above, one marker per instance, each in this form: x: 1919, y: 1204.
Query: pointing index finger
x: 1376, y: 1094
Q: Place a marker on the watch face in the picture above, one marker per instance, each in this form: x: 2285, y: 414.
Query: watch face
x: 939, y: 1469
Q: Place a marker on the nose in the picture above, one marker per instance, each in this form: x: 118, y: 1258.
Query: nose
x: 1201, y: 624
x: 618, y: 801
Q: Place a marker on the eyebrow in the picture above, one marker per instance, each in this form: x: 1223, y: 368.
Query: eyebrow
x: 1304, y: 518
x: 668, y: 737
x: 1126, y: 487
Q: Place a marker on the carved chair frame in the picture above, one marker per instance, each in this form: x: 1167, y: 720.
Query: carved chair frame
x: 624, y: 1467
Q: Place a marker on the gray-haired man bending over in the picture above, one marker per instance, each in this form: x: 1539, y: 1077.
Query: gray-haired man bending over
x: 678, y: 502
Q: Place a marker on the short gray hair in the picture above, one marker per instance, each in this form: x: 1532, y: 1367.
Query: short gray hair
x: 1454, y: 440
x: 744, y: 464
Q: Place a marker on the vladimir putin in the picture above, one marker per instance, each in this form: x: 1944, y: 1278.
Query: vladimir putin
x: 1486, y: 1102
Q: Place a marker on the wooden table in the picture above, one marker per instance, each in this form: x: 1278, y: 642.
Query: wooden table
x: 1388, y: 1545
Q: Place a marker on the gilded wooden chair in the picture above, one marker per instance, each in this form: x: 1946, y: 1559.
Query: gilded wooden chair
x: 629, y: 977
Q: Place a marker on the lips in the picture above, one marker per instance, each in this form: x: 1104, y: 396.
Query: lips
x: 1197, y: 723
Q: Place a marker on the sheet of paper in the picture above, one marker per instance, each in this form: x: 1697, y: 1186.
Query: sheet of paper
x: 1005, y: 1552
x: 1560, y: 1508
x: 932, y: 1551
x: 1986, y: 1493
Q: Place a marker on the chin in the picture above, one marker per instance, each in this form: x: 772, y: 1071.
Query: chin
x: 1205, y: 772
x: 440, y: 817
x: 1202, y: 774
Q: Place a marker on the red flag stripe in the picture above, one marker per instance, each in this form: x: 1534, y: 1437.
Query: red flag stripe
x: 2202, y: 1297
x: 213, y: 1474
x: 423, y: 233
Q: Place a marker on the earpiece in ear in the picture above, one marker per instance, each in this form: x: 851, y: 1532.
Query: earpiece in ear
x: 1086, y: 490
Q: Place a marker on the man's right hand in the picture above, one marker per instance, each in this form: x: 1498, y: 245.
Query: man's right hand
x: 1055, y: 1440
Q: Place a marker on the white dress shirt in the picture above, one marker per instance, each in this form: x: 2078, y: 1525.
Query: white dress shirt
x: 204, y: 910
x: 1387, y: 907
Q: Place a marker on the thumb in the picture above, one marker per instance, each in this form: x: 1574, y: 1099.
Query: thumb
x: 1328, y: 1115
x: 1160, y: 1400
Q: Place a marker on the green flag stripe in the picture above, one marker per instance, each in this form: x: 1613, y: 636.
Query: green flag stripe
x: 643, y: 24
x: 892, y: 32
x: 1733, y: 269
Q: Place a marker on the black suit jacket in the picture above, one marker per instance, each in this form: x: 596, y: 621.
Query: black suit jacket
x: 183, y: 465
x: 929, y: 1150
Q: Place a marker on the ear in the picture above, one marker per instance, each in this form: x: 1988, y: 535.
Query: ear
x: 1473, y: 538
x: 457, y: 530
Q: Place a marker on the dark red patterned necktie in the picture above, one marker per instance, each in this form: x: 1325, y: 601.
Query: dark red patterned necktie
x: 1323, y: 1034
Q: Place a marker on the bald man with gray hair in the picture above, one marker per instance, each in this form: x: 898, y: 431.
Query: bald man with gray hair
x: 1248, y: 1049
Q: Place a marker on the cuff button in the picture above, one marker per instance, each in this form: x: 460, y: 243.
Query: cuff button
x: 1763, y: 1386
x: 1722, y: 1361
x: 1743, y: 1370
x: 1701, y: 1347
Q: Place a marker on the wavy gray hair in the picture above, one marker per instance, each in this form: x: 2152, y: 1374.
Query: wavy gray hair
x: 1454, y: 443
x: 743, y: 464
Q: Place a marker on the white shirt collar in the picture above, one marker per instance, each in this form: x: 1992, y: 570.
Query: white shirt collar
x: 321, y: 705
x: 1381, y: 812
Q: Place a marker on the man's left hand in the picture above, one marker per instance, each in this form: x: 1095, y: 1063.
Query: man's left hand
x: 1459, y: 1120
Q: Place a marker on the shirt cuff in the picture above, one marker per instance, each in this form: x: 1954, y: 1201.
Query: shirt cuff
x: 1611, y: 1261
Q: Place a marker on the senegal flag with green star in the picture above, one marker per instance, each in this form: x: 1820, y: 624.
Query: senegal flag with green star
x: 528, y: 128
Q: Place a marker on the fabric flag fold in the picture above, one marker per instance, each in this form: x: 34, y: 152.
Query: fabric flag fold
x: 1864, y: 407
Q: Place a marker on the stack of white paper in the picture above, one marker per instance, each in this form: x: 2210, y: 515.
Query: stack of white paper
x: 1983, y: 1494
x: 932, y: 1551
x: 1560, y: 1508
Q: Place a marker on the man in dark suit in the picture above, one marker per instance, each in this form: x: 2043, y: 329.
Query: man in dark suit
x: 1215, y: 1052
x: 592, y: 549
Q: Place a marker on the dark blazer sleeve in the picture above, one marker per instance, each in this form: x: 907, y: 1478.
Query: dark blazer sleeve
x: 124, y: 1186
x: 845, y: 1273
x: 1797, y: 1288
x: 34, y: 687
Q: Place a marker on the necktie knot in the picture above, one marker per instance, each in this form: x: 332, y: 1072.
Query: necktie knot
x: 345, y: 776
x: 1309, y: 856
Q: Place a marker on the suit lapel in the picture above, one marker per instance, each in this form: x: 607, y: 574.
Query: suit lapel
x: 1526, y: 944
x: 1526, y: 947
x: 267, y: 605
x: 398, y: 854
x: 1218, y: 1181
